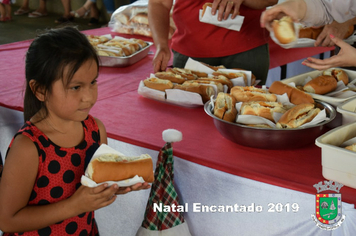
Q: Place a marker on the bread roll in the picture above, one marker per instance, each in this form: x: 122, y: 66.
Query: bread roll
x: 224, y: 107
x: 250, y: 93
x: 284, y: 30
x: 321, y: 85
x: 231, y: 75
x: 339, y: 75
x: 219, y: 86
x: 112, y: 167
x: 351, y: 147
x: 213, y: 67
x: 140, y: 18
x: 297, y: 116
x: 205, y: 91
x: 210, y: 4
x: 221, y: 79
x: 170, y: 76
x: 313, y: 33
x: 295, y: 95
x: 158, y: 84
x: 185, y: 73
x: 263, y: 109
x: 310, y: 32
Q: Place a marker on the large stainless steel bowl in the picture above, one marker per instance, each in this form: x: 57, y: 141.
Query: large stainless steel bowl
x: 267, y: 138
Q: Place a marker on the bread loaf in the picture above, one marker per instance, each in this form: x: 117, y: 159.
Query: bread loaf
x: 321, y: 85
x: 250, y: 93
x: 295, y: 95
x: 112, y: 167
x: 158, y: 84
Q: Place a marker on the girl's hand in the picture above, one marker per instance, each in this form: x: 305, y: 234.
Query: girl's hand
x: 87, y: 199
x: 346, y: 57
x: 135, y: 187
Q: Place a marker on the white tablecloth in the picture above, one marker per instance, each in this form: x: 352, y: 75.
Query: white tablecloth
x: 197, y: 184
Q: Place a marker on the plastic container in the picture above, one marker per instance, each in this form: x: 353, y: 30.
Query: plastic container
x: 348, y: 111
x: 338, y: 163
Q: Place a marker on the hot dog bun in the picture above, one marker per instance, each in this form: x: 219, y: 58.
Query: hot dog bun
x: 284, y: 30
x: 225, y: 107
x: 112, y: 167
x: 321, y: 85
x: 295, y: 95
x: 158, y: 84
x: 205, y: 91
x: 221, y: 79
x: 297, y: 116
x: 174, y: 78
x: 263, y: 109
x: 250, y: 93
x: 338, y: 74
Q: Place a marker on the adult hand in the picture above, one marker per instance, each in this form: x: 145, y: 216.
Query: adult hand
x: 161, y: 59
x: 294, y: 8
x: 339, y: 30
x: 345, y: 57
x: 226, y: 7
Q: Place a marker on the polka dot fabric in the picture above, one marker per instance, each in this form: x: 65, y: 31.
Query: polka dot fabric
x: 59, y: 173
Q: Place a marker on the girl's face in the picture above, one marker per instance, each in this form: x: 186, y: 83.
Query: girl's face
x: 74, y: 101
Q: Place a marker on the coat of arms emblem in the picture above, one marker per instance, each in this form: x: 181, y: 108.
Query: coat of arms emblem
x: 328, y: 209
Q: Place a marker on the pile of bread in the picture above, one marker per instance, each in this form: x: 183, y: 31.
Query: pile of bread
x: 134, y: 20
x: 263, y: 103
x: 195, y: 81
x: 116, y: 47
x: 285, y: 32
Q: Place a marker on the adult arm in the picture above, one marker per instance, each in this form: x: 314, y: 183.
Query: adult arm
x: 345, y: 57
x: 339, y: 30
x: 159, y: 17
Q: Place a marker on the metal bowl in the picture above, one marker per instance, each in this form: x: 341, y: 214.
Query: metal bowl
x: 267, y: 138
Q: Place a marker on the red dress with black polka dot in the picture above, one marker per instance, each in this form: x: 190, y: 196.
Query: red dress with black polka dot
x: 59, y: 173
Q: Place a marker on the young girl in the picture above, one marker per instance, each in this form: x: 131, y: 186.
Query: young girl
x: 40, y: 191
x: 5, y: 10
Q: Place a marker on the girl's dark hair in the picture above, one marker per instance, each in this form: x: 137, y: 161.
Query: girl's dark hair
x: 46, y: 59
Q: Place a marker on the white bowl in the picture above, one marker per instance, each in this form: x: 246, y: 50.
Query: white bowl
x: 338, y: 163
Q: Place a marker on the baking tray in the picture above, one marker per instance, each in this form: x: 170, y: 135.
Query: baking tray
x: 267, y: 138
x: 125, y: 61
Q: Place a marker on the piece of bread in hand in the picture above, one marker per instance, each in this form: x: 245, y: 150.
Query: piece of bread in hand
x: 158, y: 84
x: 224, y: 107
x: 321, y: 85
x: 250, y: 93
x: 295, y: 95
x: 284, y: 30
x: 297, y: 116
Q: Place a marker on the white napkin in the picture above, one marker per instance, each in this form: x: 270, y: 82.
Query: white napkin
x: 232, y: 24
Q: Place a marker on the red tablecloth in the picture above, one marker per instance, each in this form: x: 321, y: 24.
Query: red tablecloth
x: 131, y: 118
